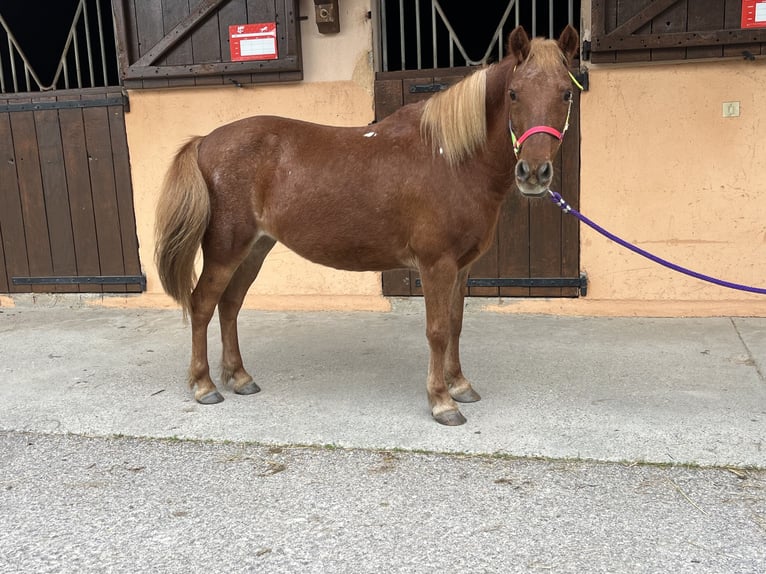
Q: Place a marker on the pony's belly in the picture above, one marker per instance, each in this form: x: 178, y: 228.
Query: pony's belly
x: 365, y: 238
x: 349, y: 256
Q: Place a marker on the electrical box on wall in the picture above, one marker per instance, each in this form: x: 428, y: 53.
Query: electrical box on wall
x: 730, y: 110
x: 327, y: 16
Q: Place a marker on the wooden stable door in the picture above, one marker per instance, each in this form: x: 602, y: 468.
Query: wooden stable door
x: 536, y: 250
x: 66, y: 200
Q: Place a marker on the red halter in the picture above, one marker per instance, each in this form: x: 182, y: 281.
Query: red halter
x: 531, y: 131
x: 559, y: 135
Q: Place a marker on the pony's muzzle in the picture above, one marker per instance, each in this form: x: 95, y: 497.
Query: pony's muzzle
x: 534, y: 180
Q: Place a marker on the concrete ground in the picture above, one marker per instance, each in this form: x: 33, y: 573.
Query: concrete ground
x: 599, y: 445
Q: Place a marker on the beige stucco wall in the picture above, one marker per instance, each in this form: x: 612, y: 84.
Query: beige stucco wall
x: 660, y: 167
x: 684, y: 181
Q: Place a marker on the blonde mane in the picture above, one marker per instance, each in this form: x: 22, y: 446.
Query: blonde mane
x: 455, y: 121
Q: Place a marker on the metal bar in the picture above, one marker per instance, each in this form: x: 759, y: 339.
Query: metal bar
x: 2, y: 77
x: 86, y: 21
x: 102, y: 44
x: 401, y: 33
x: 65, y: 73
x: 13, y: 59
x: 417, y: 27
x: 551, y: 32
x: 433, y: 34
x: 76, y: 61
x: 83, y: 280
x: 384, y: 34
x: 65, y: 104
x: 534, y: 18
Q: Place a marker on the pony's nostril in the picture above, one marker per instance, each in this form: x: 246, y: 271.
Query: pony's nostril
x: 522, y: 170
x: 545, y: 172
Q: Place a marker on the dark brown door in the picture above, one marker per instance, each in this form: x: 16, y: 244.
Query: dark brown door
x: 66, y: 201
x: 536, y: 251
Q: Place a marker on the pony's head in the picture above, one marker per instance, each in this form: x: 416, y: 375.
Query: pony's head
x: 540, y: 95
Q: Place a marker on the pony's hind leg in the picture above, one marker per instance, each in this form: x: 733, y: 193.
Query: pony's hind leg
x: 232, y: 368
x: 459, y: 387
x: 219, y: 265
x: 211, y: 284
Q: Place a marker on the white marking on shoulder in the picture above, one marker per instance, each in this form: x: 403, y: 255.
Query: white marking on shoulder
x: 370, y: 134
x: 441, y: 151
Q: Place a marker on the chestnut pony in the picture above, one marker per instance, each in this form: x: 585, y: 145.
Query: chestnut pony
x: 420, y: 189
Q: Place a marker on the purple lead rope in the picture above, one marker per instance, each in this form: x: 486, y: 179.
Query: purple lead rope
x: 566, y: 208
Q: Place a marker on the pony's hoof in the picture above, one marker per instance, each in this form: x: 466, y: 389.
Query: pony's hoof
x: 249, y: 389
x: 467, y: 396
x: 451, y: 418
x: 211, y: 398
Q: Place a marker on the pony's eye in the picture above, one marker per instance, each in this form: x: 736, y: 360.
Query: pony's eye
x: 568, y: 95
x: 513, y: 95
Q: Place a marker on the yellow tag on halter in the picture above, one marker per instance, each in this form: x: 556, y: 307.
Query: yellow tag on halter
x: 576, y: 83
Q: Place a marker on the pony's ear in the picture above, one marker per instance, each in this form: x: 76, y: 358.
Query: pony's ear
x: 569, y: 42
x: 518, y: 44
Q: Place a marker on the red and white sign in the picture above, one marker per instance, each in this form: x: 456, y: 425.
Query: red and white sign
x: 753, y: 13
x: 253, y: 41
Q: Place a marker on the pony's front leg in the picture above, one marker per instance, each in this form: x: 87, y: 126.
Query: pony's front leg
x: 459, y: 387
x: 438, y: 283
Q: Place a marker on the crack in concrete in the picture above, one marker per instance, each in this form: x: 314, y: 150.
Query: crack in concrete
x: 750, y: 357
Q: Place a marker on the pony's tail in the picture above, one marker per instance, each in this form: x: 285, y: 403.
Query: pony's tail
x: 183, y: 214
